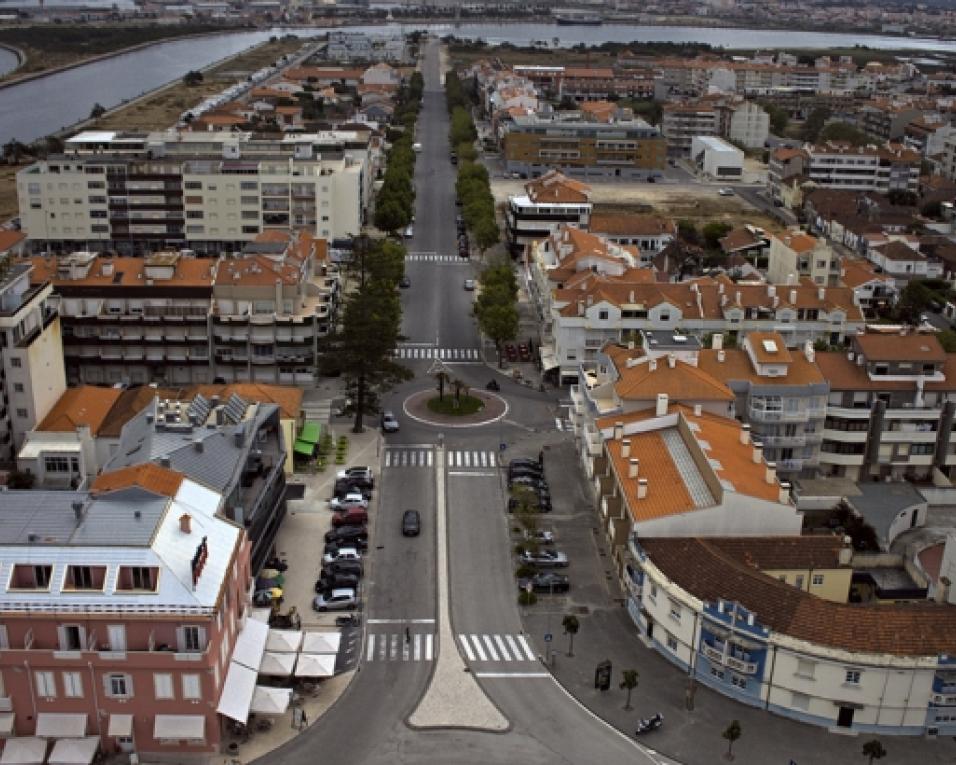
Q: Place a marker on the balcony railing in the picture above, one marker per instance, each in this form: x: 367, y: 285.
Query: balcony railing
x: 718, y: 656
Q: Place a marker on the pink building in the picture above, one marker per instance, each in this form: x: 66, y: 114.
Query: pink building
x: 120, y: 612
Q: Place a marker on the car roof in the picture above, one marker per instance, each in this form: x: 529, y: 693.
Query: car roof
x: 343, y: 592
x: 350, y: 550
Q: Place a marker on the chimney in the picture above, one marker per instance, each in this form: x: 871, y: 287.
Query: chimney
x: 239, y: 438
x: 197, y: 444
x: 652, y: 365
x: 630, y: 345
x: 661, y: 404
x: 186, y: 523
x: 618, y: 431
x: 630, y: 296
x: 846, y: 552
x: 698, y: 410
x: 721, y: 355
x: 776, y: 301
x: 720, y: 288
x: 793, y: 297
x: 784, y: 498
x: 580, y: 308
x: 821, y: 293
x: 860, y: 359
x: 717, y: 341
x: 632, y: 467
x: 626, y: 447
x: 723, y: 300
x: 671, y: 360
x: 745, y: 434
x: 590, y: 300
x: 771, y: 474
x: 791, y: 279
x: 641, y: 488
x: 737, y: 297
x: 809, y: 351
x: 757, y: 454
x: 165, y: 462
x: 771, y: 290
x: 78, y: 509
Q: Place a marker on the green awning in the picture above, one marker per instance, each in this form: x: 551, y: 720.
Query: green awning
x: 311, y: 432
x: 304, y: 448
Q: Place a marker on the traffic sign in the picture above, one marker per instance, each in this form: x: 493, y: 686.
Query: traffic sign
x: 547, y: 637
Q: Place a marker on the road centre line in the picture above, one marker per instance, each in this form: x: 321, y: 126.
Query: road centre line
x: 517, y: 675
x: 471, y: 472
x: 399, y: 621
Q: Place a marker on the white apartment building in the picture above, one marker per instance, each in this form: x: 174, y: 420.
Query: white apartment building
x: 749, y: 125
x: 716, y: 159
x: 31, y: 354
x: 795, y: 255
x: 870, y: 168
x: 681, y: 123
x: 548, y: 202
x: 206, y: 191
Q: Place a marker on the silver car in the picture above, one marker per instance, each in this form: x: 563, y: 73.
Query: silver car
x: 389, y: 423
x: 343, y: 599
x: 544, y: 559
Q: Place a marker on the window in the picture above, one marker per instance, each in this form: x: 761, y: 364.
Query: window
x: 16, y: 363
x: 798, y: 581
x: 799, y: 701
x: 137, y: 578
x: 30, y: 577
x: 718, y: 673
x: 193, y: 185
x: 664, y: 316
x: 805, y: 668
x: 250, y: 229
x: 738, y: 681
x: 73, y: 685
x: 817, y: 580
x: 852, y: 677
x: 119, y: 686
x: 85, y: 578
x: 653, y: 593
x: 163, y: 685
x: 56, y: 464
x: 602, y: 315
x: 191, y: 687
x: 191, y: 639
x: 71, y: 637
x: 672, y: 643
x: 194, y: 214
x: 22, y: 413
x: 46, y: 684
x: 18, y: 387
x: 675, y: 610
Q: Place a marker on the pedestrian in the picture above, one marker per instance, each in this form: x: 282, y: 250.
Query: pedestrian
x: 408, y: 636
x: 303, y: 721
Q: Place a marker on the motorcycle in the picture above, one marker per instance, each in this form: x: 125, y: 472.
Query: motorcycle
x: 277, y: 564
x: 493, y: 385
x: 649, y: 724
x: 347, y: 621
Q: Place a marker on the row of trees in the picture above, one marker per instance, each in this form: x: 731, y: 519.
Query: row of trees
x: 497, y: 305
x: 395, y: 203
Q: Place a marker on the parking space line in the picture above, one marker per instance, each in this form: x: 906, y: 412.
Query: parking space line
x: 489, y: 644
x: 527, y: 647
x: 478, y: 648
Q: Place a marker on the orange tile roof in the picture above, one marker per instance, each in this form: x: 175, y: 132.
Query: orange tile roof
x: 86, y: 405
x: 10, y: 239
x: 127, y: 272
x: 631, y: 224
x: 667, y: 493
x: 785, y: 153
x: 682, y: 383
x: 859, y: 272
x: 286, y: 397
x: 147, y: 475
x: 880, y: 347
x: 763, y: 355
x: 798, y: 242
x: 736, y: 366
x: 554, y: 186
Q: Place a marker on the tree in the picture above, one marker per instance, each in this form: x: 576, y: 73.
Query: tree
x: 192, y: 78
x: 814, y: 124
x: 713, y: 232
x: 914, y: 300
x: 732, y: 733
x: 20, y: 480
x: 390, y: 216
x: 442, y: 377
x: 844, y: 132
x: 947, y: 339
x: 97, y: 111
x: 571, y: 626
x: 779, y: 119
x: 487, y: 233
x: 629, y: 682
x: 874, y: 750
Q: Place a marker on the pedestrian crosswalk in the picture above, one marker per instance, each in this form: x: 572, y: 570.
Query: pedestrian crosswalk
x: 432, y: 257
x: 445, y: 354
x: 472, y: 459
x: 398, y: 457
x: 496, y: 648
x: 400, y: 646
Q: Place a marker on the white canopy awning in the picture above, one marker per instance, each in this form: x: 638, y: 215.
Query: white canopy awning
x: 270, y: 701
x: 237, y: 692
x: 321, y: 642
x: 315, y: 665
x: 74, y: 751
x: 59, y: 725
x: 284, y: 640
x: 260, y: 614
x: 26, y: 750
x: 6, y: 723
x: 120, y: 725
x: 250, y: 644
x: 180, y: 728
x: 279, y: 664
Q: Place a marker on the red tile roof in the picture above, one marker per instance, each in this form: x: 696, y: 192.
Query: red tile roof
x: 147, y: 475
x: 86, y: 405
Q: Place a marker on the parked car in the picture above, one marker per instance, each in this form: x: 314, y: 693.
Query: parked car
x: 389, y: 423
x: 525, y: 470
x: 537, y: 483
x: 469, y: 284
x: 544, y: 559
x: 342, y: 599
x: 336, y: 580
x: 359, y: 474
x: 405, y: 283
x: 409, y: 231
x: 511, y: 352
x: 355, y: 516
x: 411, y: 523
x: 344, y: 486
x: 351, y: 500
x: 525, y: 462
x: 343, y: 567
x: 725, y: 191
x: 545, y: 581
x: 540, y: 536
x: 537, y: 502
x: 345, y: 535
x: 344, y: 553
x: 267, y: 596
x: 524, y: 353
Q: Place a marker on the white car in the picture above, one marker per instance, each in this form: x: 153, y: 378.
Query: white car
x: 342, y: 599
x: 470, y: 284
x: 725, y: 191
x: 349, y: 501
x: 343, y: 553
x: 409, y: 231
x: 358, y: 473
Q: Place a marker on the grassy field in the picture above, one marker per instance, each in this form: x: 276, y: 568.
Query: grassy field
x: 51, y: 46
x: 8, y: 191
x: 162, y: 109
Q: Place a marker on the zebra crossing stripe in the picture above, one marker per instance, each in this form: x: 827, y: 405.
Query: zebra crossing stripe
x: 382, y: 647
x: 393, y: 647
x: 370, y: 651
x: 417, y: 653
x: 490, y: 645
x: 501, y: 647
x: 514, y: 647
x: 429, y: 646
x: 406, y: 650
x: 478, y: 648
x: 430, y: 456
x: 388, y: 458
x: 527, y: 648
x: 466, y: 647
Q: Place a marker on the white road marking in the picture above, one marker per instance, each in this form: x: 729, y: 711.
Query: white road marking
x: 466, y: 646
x: 489, y: 644
x: 501, y: 647
x: 429, y: 640
x: 517, y: 675
x: 478, y: 648
x: 527, y: 648
x: 399, y: 621
x: 514, y: 647
x: 370, y: 652
x: 430, y: 458
x: 418, y: 646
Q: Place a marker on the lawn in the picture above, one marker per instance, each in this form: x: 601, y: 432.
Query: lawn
x: 464, y: 406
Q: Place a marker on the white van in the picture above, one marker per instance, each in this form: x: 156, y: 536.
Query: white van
x: 416, y: 146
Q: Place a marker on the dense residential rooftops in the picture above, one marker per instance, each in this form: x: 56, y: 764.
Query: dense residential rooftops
x: 86, y: 405
x: 822, y: 551
x: 768, y: 348
x: 642, y: 378
x: 845, y: 374
x: 147, y: 476
x: 736, y: 365
x: 706, y: 571
x: 611, y: 224
x: 859, y: 272
x: 555, y: 187
x: 896, y: 347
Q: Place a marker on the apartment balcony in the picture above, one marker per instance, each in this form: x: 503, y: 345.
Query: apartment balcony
x: 777, y: 415
x: 907, y: 436
x: 834, y: 458
x: 845, y: 436
x: 854, y: 413
x: 782, y: 441
x: 717, y: 656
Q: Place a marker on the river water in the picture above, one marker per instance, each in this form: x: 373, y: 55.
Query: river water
x: 8, y: 61
x: 37, y: 108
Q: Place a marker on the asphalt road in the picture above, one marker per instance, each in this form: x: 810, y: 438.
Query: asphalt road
x: 368, y: 723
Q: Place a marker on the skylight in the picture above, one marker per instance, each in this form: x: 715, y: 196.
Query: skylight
x: 770, y: 346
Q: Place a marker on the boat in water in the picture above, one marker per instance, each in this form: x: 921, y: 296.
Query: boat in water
x: 576, y: 17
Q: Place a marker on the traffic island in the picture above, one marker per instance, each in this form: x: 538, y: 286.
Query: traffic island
x: 474, y: 409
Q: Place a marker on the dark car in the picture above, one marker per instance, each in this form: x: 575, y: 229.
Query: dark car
x: 525, y: 470
x: 525, y: 462
x: 348, y: 535
x: 411, y: 523
x: 524, y: 354
x: 537, y: 502
x: 332, y: 581
x: 343, y: 567
x: 546, y: 581
x: 511, y: 353
x: 405, y: 282
x: 529, y: 481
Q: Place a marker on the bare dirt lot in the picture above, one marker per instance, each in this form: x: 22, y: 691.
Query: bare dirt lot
x: 8, y: 190
x: 699, y: 203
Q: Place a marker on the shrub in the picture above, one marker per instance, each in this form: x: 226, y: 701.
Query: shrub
x: 526, y: 598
